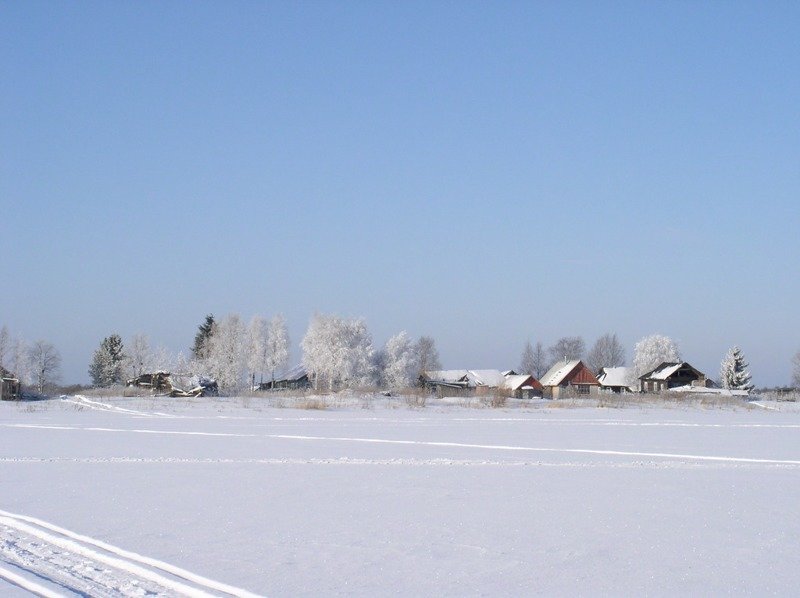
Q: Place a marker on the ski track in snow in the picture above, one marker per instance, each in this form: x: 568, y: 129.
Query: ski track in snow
x: 85, y: 566
x: 493, y: 447
x: 407, y: 462
x: 98, y: 406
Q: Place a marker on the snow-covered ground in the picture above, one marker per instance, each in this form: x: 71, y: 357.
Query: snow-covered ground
x: 220, y: 496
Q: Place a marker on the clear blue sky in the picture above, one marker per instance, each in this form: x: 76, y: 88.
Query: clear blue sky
x: 485, y: 173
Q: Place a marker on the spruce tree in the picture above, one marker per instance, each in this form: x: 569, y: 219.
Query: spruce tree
x: 733, y: 373
x: 204, y: 332
x: 106, y: 366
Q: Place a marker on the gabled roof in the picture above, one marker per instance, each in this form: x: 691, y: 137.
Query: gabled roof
x: 613, y: 376
x: 491, y: 378
x: 446, y: 376
x: 294, y: 374
x: 556, y: 374
x: 519, y: 381
x: 667, y: 369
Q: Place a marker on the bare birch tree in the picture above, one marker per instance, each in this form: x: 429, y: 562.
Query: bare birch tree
x: 46, y: 364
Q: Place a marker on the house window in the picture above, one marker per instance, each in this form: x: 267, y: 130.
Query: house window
x: 583, y: 389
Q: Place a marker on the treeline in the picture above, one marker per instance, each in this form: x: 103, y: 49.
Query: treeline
x: 37, y: 364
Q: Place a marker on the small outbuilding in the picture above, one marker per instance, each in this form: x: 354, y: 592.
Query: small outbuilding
x: 672, y: 375
x: 295, y: 378
x: 569, y: 377
x: 523, y: 386
x: 10, y: 387
x: 614, y: 379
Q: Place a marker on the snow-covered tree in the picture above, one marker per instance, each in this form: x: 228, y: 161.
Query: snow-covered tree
x: 139, y: 357
x: 567, y: 348
x: 20, y: 361
x: 257, y: 347
x: 337, y: 351
x: 796, y: 369
x: 733, y: 373
x: 607, y: 352
x: 225, y: 351
x: 399, y: 367
x: 204, y: 332
x: 45, y: 362
x: 106, y: 368
x: 277, y: 349
x: 650, y: 352
x: 5, y: 347
x: 427, y: 356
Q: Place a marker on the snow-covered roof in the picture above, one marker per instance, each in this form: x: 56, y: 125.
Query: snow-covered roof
x: 556, y: 374
x: 472, y: 378
x: 491, y: 378
x: 663, y: 371
x: 613, y: 376
x: 516, y: 382
x: 294, y: 374
x: 446, y: 376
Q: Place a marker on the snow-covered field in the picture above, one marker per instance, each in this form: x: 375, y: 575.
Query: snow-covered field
x: 215, y: 496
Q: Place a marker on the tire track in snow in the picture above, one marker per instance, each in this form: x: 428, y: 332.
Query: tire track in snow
x: 95, y: 567
x: 407, y: 462
x: 493, y: 447
x: 98, y: 406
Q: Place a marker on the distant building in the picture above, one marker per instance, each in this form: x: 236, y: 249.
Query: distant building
x: 569, y: 377
x: 479, y: 382
x: 10, y: 388
x: 295, y: 378
x: 614, y: 379
x: 672, y: 375
x: 523, y: 386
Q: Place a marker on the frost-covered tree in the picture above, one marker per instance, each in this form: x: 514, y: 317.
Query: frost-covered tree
x: 225, y: 353
x: 400, y: 362
x: 204, y: 332
x: 337, y: 351
x: 5, y: 347
x: 796, y: 369
x: 139, y: 357
x: 650, y: 352
x: 567, y: 348
x: 277, y: 353
x: 733, y: 373
x: 607, y: 352
x: 257, y: 347
x: 45, y: 362
x: 427, y: 356
x: 162, y: 360
x: 107, y: 364
x: 20, y: 361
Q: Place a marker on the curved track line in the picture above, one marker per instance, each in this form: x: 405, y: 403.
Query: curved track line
x: 28, y: 585
x: 22, y: 523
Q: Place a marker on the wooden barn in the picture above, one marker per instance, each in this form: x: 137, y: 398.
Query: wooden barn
x: 294, y: 379
x: 568, y: 378
x: 671, y: 375
x: 10, y: 388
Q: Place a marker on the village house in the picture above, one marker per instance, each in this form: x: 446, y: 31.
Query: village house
x: 466, y: 382
x: 670, y: 375
x: 614, y: 379
x: 10, y: 387
x: 522, y: 386
x: 569, y: 377
x: 295, y: 378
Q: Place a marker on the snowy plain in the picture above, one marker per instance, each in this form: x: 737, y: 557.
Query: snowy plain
x: 377, y: 499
